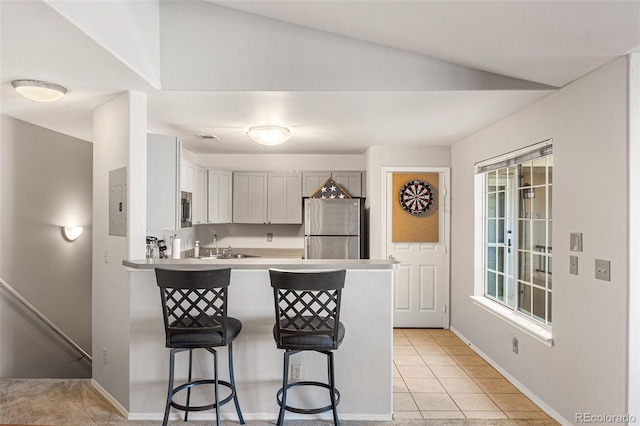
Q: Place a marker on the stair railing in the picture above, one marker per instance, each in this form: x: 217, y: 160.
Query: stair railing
x: 44, y: 319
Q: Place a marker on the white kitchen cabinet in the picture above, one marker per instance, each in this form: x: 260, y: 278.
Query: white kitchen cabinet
x: 284, y: 197
x: 249, y: 197
x: 220, y: 196
x: 163, y: 182
x: 200, y: 196
x: 311, y: 180
x: 267, y: 197
x: 350, y: 181
x: 194, y: 180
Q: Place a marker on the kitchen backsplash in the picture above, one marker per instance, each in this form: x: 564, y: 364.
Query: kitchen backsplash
x: 254, y: 236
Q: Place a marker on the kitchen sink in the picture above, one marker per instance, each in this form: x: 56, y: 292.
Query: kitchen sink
x: 222, y: 256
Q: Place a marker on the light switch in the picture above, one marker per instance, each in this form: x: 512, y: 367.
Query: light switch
x: 603, y: 270
x: 576, y: 241
x: 573, y: 265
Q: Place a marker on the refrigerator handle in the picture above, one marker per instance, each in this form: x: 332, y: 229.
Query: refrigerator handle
x: 307, y: 247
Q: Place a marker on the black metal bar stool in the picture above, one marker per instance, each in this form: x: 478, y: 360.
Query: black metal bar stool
x: 194, y: 306
x: 307, y: 306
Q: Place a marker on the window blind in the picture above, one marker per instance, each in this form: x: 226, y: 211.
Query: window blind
x: 516, y: 157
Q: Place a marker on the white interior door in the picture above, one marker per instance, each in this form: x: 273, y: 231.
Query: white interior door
x: 421, y: 288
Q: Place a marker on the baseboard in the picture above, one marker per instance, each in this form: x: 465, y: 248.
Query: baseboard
x: 536, y: 400
x: 208, y: 416
x: 106, y: 395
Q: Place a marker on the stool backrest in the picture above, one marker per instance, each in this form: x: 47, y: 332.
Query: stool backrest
x: 307, y: 303
x: 194, y: 301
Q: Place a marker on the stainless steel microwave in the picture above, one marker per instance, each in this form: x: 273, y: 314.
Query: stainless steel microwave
x: 185, y: 209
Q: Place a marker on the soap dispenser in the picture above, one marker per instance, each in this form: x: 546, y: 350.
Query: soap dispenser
x: 196, y: 249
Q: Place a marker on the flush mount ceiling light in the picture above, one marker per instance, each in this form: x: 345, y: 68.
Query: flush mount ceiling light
x: 72, y: 233
x: 39, y: 91
x: 269, y: 135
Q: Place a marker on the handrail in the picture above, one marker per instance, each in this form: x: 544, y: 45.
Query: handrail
x: 45, y: 320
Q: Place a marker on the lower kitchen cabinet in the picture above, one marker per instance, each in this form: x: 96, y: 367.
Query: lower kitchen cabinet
x: 220, y: 196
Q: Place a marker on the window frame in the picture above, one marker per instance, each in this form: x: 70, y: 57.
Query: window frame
x: 527, y: 322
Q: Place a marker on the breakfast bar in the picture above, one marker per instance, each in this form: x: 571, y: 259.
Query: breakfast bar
x: 364, y: 367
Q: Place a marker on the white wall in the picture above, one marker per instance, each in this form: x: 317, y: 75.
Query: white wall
x: 137, y: 40
x: 46, y: 183
x: 378, y: 157
x: 119, y: 128
x: 278, y: 162
x: 634, y: 230
x: 586, y: 370
x: 299, y: 58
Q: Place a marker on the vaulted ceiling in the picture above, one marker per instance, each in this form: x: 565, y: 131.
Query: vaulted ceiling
x: 344, y: 75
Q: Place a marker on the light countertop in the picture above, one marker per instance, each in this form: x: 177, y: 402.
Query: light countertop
x: 262, y: 263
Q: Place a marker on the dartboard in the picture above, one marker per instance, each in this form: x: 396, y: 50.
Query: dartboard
x: 416, y: 197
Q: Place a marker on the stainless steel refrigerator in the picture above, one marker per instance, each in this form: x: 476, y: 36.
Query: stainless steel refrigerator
x: 332, y: 228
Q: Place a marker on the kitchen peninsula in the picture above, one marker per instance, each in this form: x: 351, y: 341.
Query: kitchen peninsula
x: 363, y: 362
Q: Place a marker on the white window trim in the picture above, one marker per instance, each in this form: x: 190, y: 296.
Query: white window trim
x: 510, y: 316
x: 528, y: 326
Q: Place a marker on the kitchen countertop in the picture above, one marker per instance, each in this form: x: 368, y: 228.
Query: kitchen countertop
x: 262, y: 263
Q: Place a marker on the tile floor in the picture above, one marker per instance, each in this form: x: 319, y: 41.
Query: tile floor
x: 437, y: 376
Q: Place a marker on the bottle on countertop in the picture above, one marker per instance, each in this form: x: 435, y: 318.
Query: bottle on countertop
x: 196, y: 249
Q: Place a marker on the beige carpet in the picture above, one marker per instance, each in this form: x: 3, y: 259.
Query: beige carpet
x: 74, y: 402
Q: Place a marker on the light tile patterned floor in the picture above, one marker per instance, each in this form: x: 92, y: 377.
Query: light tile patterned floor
x: 437, y: 376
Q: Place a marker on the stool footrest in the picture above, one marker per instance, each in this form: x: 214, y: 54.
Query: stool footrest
x: 201, y: 407
x: 307, y: 410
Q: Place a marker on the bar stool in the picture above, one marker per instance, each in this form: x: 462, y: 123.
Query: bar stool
x: 194, y: 307
x: 307, y: 306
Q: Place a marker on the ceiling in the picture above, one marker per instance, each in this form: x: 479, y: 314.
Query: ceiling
x: 345, y: 75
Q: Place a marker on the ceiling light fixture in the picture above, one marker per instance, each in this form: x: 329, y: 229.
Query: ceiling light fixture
x: 39, y: 91
x: 269, y: 135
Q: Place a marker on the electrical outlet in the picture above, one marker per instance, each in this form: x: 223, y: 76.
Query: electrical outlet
x: 603, y: 270
x: 106, y: 255
x: 296, y: 372
x: 573, y: 265
x: 104, y: 355
x: 514, y: 345
x: 269, y: 237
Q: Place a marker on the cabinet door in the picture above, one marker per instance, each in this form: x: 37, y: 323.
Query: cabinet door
x: 312, y: 181
x: 200, y: 195
x: 163, y: 183
x: 220, y: 191
x: 249, y: 197
x: 350, y: 182
x: 285, y: 197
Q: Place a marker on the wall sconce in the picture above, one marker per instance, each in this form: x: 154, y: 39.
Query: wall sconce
x: 72, y: 233
x: 39, y: 91
x: 269, y: 135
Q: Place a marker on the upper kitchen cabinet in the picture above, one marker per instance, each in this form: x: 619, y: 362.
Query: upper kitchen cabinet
x: 285, y: 197
x: 220, y: 196
x: 267, y: 197
x: 249, y: 197
x: 351, y: 181
x: 312, y: 180
x: 163, y: 182
x: 194, y: 180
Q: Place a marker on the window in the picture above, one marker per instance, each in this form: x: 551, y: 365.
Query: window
x: 517, y: 232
